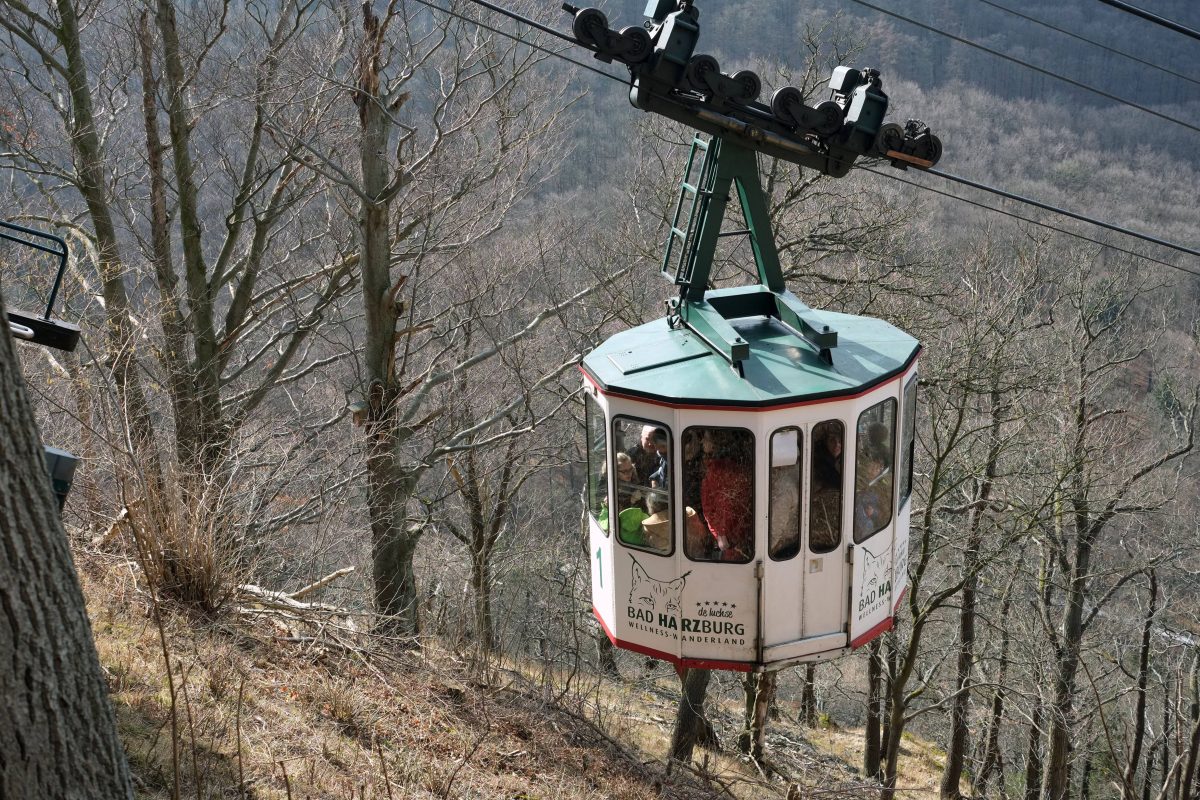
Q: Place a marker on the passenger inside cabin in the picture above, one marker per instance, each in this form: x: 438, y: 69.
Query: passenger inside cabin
x: 870, y: 507
x: 628, y: 493
x: 825, y: 518
x: 656, y: 529
x: 727, y: 492
x: 661, y: 476
x: 699, y: 543
x: 644, y: 454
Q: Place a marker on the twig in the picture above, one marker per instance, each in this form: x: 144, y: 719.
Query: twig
x: 110, y: 532
x: 238, y: 726
x: 387, y: 782
x: 319, y: 584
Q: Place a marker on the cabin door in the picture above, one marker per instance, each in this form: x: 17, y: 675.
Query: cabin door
x: 805, y: 567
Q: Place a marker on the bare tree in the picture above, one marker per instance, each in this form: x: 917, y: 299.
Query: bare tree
x: 52, y: 39
x: 447, y: 142
x: 1099, y: 477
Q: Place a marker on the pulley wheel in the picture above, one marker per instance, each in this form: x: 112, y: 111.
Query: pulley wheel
x: 749, y: 85
x: 637, y: 42
x: 590, y: 27
x: 700, y: 70
x: 828, y: 118
x: 890, y: 137
x: 787, y: 104
x: 934, y: 149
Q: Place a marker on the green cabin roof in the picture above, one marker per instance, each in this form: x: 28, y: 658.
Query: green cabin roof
x: 654, y: 362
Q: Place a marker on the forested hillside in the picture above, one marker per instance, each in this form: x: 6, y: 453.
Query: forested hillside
x: 336, y: 266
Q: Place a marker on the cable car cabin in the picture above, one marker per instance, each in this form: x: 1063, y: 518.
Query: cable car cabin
x: 749, y: 521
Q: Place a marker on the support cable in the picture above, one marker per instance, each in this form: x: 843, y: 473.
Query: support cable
x: 1064, y: 212
x: 1027, y: 65
x: 1092, y: 42
x: 1046, y: 225
x: 525, y: 42
x: 1157, y: 20
x: 530, y: 22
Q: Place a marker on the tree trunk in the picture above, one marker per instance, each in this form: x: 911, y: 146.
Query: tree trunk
x: 1062, y: 707
x: 960, y: 706
x: 393, y: 547
x: 481, y: 588
x: 92, y: 183
x: 1033, y: 754
x: 1190, y: 777
x: 393, y: 542
x: 58, y: 737
x: 203, y: 434
x: 760, y: 694
x: 692, y: 726
x: 606, y: 654
x: 993, y: 758
x: 873, y: 746
x: 808, y: 696
x: 956, y: 747
x: 1139, y: 713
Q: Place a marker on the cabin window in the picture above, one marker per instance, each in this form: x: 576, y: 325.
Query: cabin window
x: 597, y: 461
x: 642, y: 470
x: 825, y: 486
x: 783, y: 537
x: 908, y: 440
x: 873, y: 460
x: 718, y: 494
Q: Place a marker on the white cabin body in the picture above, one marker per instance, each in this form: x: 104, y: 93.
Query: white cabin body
x: 814, y: 572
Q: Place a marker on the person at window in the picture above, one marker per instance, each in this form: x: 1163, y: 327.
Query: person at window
x: 826, y: 511
x: 656, y: 528
x: 871, y: 506
x: 660, y: 478
x: 644, y: 454
x: 726, y: 494
x: 827, y: 461
x: 699, y: 543
x: 628, y: 493
x: 879, y: 444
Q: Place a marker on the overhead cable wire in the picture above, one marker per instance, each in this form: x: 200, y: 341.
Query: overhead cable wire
x: 1046, y: 225
x: 1064, y: 212
x: 530, y: 22
x: 1027, y: 65
x: 525, y: 42
x: 1155, y: 18
x: 1092, y: 42
x: 938, y: 173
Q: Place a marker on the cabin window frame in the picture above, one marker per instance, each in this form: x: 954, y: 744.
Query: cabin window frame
x: 668, y: 491
x: 860, y: 496
x: 773, y: 506
x: 683, y: 483
x: 908, y: 441
x: 840, y: 527
x: 599, y: 487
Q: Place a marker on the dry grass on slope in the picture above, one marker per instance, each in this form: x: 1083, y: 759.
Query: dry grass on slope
x: 260, y: 715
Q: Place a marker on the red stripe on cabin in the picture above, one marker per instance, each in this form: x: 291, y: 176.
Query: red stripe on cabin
x: 886, y: 625
x: 900, y: 599
x: 687, y: 663
x: 702, y: 407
